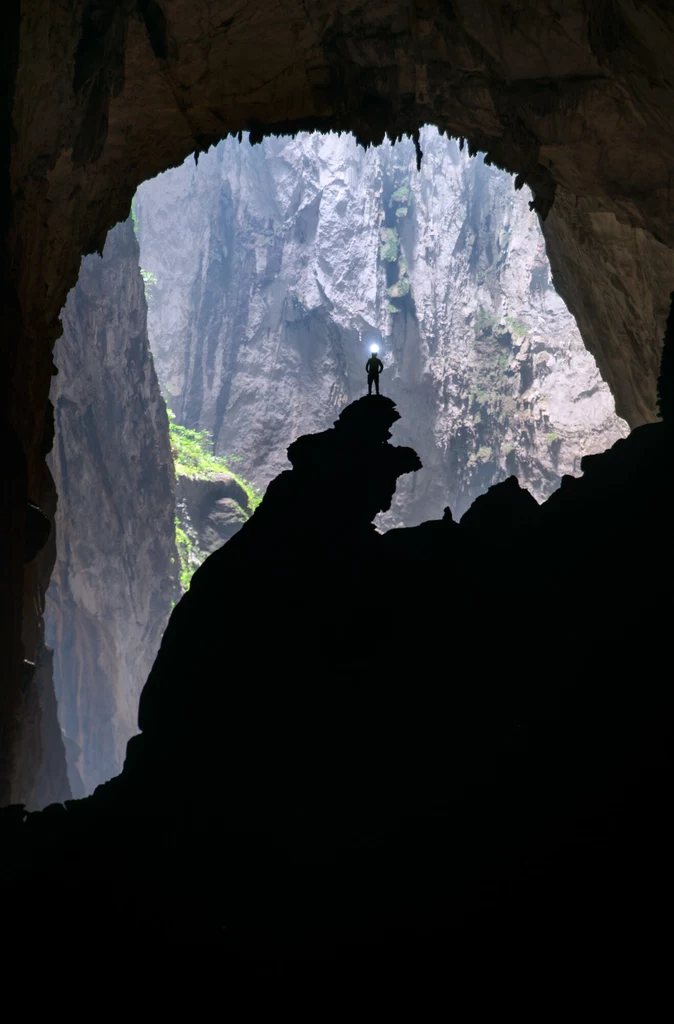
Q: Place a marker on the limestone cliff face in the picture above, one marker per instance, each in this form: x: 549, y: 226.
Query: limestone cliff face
x: 114, y: 579
x: 278, y: 264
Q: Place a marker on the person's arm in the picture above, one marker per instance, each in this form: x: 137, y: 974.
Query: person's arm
x: 367, y: 366
x: 381, y: 365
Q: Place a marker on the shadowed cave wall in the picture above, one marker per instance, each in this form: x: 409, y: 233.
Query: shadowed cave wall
x: 575, y: 99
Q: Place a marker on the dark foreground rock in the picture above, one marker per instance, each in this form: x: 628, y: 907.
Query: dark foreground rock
x: 346, y: 768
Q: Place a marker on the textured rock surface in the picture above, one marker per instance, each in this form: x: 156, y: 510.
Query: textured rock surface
x: 214, y: 509
x: 277, y: 264
x: 114, y: 578
x: 591, y: 250
x: 101, y: 96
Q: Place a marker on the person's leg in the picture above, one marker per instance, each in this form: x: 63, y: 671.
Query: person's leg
x: 376, y: 382
x: 369, y: 383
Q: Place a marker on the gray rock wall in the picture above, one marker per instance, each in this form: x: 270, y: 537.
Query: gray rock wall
x: 115, y: 576
x: 277, y: 264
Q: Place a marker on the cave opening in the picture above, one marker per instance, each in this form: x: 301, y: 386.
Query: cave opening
x: 489, y: 783
x: 241, y: 297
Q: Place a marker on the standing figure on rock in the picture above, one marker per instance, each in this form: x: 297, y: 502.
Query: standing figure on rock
x: 373, y: 368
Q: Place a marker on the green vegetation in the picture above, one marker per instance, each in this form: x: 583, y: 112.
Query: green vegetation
x: 483, y: 455
x: 390, y: 245
x: 495, y: 379
x: 485, y: 322
x: 493, y: 366
x: 401, y: 211
x: 134, y: 219
x: 552, y: 437
x: 400, y: 288
x: 149, y: 283
x: 193, y: 459
x: 401, y: 194
x: 188, y: 553
x: 516, y: 326
x: 390, y: 308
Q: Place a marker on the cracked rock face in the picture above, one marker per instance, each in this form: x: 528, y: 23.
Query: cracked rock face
x: 278, y: 264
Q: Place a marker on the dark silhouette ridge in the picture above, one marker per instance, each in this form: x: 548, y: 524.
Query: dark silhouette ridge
x: 491, y: 777
x: 506, y: 507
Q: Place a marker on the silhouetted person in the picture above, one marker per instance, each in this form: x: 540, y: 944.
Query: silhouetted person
x: 373, y: 367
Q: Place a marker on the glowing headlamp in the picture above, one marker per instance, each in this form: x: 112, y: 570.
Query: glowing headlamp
x: 374, y: 349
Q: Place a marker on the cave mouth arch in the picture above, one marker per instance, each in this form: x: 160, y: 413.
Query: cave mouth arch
x: 263, y: 272
x: 129, y: 97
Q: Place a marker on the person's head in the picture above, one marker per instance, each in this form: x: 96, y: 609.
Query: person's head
x: 374, y: 351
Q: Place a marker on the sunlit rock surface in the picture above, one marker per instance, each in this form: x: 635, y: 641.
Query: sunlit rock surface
x: 278, y: 264
x: 115, y: 576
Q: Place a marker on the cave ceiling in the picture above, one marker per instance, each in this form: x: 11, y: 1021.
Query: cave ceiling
x: 574, y: 98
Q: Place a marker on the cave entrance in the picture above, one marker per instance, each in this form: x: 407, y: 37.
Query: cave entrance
x: 242, y: 295
x: 271, y: 267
